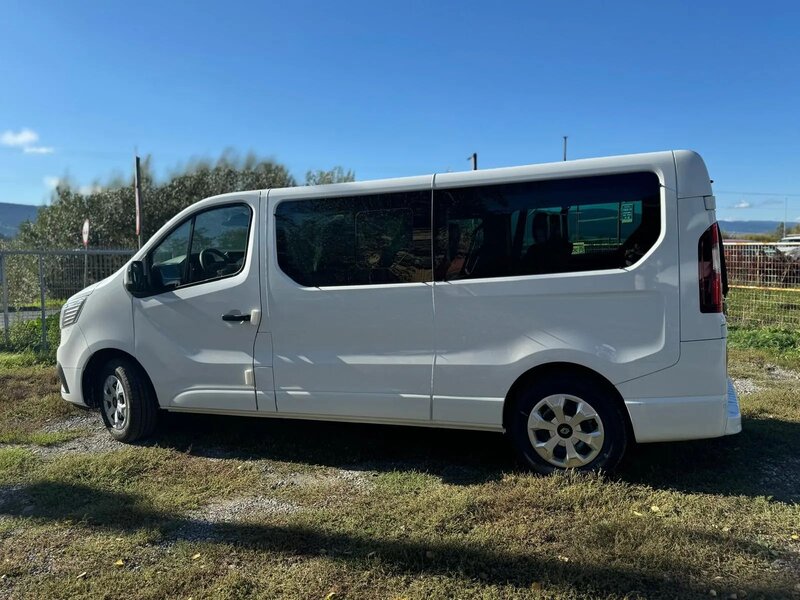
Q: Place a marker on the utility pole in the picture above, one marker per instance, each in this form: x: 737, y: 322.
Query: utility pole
x: 474, y: 159
x: 137, y: 187
x: 785, y: 213
x: 565, y: 147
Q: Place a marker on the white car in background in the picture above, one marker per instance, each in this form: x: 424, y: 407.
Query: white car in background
x: 789, y: 244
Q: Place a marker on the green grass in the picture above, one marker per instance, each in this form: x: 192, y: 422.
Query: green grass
x: 29, y: 400
x: 784, y: 342
x: 354, y: 511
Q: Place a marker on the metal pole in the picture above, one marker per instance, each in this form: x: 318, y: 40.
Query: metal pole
x: 85, y: 266
x: 5, y: 298
x: 785, y: 213
x: 139, y: 202
x: 474, y: 159
x: 41, y: 296
x: 565, y: 147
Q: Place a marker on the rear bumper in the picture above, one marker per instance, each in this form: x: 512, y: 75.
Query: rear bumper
x: 733, y: 423
x: 685, y: 418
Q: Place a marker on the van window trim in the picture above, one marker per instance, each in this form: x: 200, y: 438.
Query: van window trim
x: 445, y: 187
x: 272, y: 232
x: 191, y: 217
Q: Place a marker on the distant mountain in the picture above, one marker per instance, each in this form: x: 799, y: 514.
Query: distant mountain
x: 730, y: 227
x: 13, y: 215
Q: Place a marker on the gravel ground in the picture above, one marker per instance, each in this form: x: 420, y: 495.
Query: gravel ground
x: 781, y: 374
x: 96, y: 439
x: 746, y: 386
x: 203, y: 523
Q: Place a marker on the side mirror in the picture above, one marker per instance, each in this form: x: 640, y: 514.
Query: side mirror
x: 135, y: 278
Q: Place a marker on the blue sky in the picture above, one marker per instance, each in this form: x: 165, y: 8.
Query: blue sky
x: 393, y: 89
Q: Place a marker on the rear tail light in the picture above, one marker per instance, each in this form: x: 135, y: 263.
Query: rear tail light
x: 710, y: 270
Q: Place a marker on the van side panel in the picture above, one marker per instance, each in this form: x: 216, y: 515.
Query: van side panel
x: 621, y: 323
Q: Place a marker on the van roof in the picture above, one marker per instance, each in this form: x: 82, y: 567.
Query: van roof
x: 691, y: 170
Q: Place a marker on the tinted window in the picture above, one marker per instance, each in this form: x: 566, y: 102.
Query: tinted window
x: 555, y: 226
x: 218, y: 242
x: 168, y: 259
x: 360, y: 240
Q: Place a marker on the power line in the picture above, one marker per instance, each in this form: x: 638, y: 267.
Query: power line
x: 781, y: 194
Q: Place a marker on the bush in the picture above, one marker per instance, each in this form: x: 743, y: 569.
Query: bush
x: 26, y: 337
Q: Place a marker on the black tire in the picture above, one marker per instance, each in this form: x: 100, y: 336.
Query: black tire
x: 141, y: 412
x: 605, y: 405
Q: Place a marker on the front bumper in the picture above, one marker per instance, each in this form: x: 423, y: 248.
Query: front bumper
x: 733, y: 423
x: 71, y: 358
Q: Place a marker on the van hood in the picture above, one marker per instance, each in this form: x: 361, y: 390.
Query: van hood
x: 89, y: 289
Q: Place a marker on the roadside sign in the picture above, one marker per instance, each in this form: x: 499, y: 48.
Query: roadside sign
x: 85, y: 233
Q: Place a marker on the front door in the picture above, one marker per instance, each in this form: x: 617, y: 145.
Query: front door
x: 351, y: 303
x: 194, y: 333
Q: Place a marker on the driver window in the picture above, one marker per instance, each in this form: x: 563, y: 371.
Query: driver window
x: 217, y: 240
x: 168, y: 259
x: 219, y: 243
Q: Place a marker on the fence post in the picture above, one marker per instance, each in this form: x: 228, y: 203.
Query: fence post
x: 4, y: 283
x: 41, y: 296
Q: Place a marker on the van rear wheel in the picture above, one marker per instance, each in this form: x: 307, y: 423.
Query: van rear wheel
x: 127, y: 403
x: 565, y: 422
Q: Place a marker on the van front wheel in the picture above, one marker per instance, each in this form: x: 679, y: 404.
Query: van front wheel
x: 127, y: 403
x: 567, y: 423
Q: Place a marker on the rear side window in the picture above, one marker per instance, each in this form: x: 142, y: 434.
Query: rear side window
x: 553, y: 226
x: 356, y: 240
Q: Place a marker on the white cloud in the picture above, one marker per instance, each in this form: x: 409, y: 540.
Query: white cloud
x: 742, y: 204
x: 38, y: 149
x: 52, y: 182
x: 24, y: 137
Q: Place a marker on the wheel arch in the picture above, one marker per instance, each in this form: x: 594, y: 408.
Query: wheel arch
x: 563, y: 368
x: 96, y: 362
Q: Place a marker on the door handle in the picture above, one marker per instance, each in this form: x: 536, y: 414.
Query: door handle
x: 235, y: 317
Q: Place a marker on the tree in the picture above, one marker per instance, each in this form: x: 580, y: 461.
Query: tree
x: 110, y: 207
x: 335, y: 175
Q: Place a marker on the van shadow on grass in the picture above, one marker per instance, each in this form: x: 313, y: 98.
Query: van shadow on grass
x: 457, y: 457
x: 105, y: 510
x: 760, y: 461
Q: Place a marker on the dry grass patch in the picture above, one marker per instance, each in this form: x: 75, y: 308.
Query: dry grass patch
x: 232, y: 508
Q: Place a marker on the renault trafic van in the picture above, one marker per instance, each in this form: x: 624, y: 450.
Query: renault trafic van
x: 576, y: 306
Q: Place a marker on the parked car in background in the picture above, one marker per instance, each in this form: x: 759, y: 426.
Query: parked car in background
x: 789, y: 243
x: 576, y: 306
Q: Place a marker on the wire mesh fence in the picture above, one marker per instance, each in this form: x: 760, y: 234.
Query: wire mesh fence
x: 35, y: 283
x: 764, y: 280
x: 764, y: 283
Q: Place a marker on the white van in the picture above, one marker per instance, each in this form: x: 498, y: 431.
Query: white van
x: 577, y: 306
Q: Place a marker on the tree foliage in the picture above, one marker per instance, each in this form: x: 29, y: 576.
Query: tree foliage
x: 335, y: 175
x: 110, y: 207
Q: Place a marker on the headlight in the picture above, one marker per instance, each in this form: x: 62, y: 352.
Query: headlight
x: 72, y: 310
